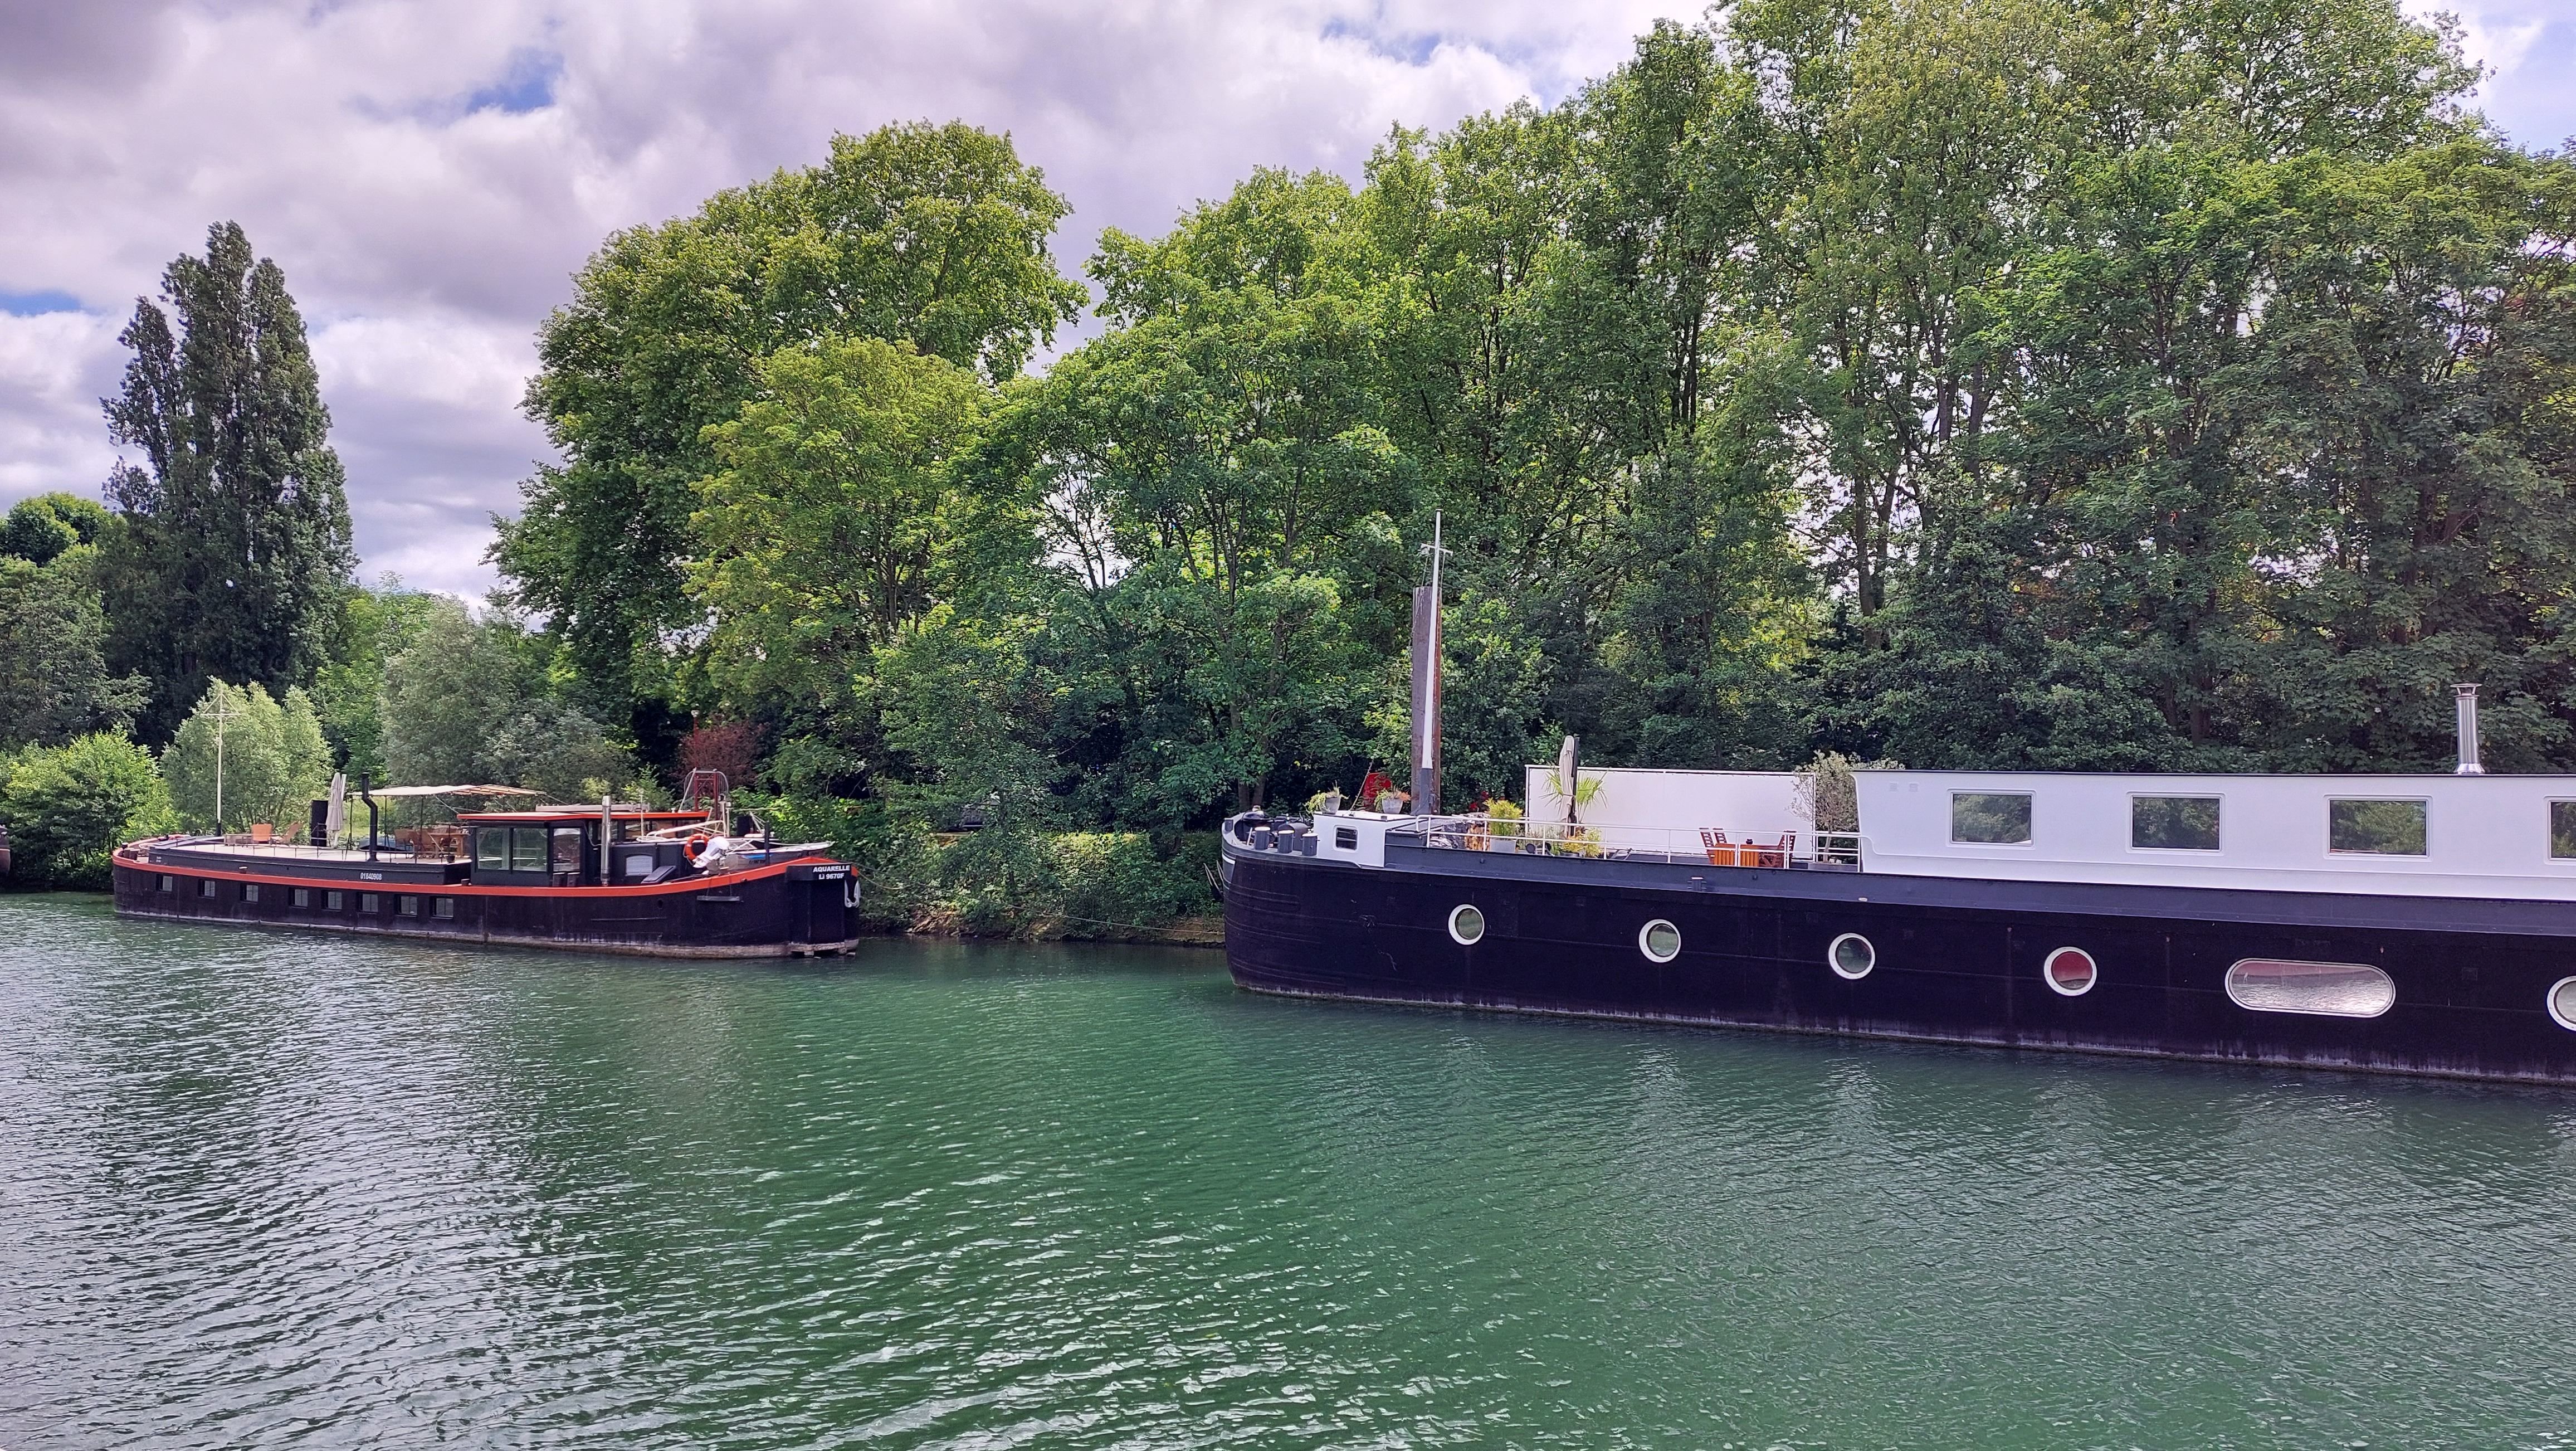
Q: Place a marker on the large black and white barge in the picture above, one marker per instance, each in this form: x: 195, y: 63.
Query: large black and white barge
x: 608, y: 878
x: 2405, y: 924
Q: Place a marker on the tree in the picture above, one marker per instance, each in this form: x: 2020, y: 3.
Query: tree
x: 39, y: 529
x: 348, y: 691
x: 824, y: 530
x: 269, y: 755
x: 930, y: 235
x: 68, y: 807
x: 462, y: 706
x: 236, y: 548
x: 1220, y: 503
x: 54, y: 682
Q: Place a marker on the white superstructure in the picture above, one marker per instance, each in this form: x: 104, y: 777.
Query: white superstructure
x: 2511, y: 837
x: 2417, y: 835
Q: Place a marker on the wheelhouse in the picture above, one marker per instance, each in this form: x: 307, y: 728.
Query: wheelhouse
x: 569, y: 846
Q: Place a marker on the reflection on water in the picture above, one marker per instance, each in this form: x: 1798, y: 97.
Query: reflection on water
x: 284, y: 1189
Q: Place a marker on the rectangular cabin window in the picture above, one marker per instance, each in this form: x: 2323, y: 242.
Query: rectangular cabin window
x: 2562, y: 829
x: 370, y: 903
x: 169, y: 884
x: 444, y: 909
x: 408, y: 907
x: 303, y: 896
x: 566, y: 856
x: 2173, y: 823
x: 492, y: 848
x: 1990, y: 817
x: 1346, y: 838
x: 205, y: 886
x: 2378, y: 828
x: 335, y: 901
x: 250, y: 891
x: 527, y: 848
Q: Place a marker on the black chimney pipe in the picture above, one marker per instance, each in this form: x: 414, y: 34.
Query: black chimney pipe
x: 371, y: 815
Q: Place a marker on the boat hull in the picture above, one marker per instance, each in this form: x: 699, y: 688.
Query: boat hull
x: 1956, y: 961
x: 798, y: 908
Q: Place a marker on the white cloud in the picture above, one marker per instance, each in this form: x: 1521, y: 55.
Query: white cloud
x: 430, y: 175
x: 54, y: 367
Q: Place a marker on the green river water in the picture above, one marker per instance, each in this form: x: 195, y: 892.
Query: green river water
x: 285, y: 1190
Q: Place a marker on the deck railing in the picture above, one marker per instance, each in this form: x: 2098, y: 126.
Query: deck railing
x: 241, y: 842
x: 1613, y: 841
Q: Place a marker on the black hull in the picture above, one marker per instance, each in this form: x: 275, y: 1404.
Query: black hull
x: 795, y: 909
x: 1957, y: 961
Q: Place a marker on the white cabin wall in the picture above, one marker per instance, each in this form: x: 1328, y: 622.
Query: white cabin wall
x: 2486, y: 836
x: 1744, y: 804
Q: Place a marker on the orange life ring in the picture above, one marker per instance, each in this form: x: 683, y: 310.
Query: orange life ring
x: 696, y: 844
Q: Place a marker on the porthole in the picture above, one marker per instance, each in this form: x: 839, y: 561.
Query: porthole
x: 1466, y: 925
x: 1851, y: 956
x: 1660, y: 940
x: 2070, y: 971
x: 2562, y: 1003
x: 2328, y: 989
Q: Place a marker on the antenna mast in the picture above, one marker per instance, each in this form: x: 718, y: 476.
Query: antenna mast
x: 1426, y: 683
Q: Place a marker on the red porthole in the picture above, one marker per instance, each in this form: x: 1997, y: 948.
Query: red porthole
x: 2071, y: 972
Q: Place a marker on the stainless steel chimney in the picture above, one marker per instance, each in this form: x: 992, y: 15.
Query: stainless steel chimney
x: 2468, y: 707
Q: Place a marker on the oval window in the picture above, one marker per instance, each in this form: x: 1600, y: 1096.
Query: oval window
x: 1851, y: 956
x: 2334, y: 989
x: 2562, y: 1003
x: 1466, y: 925
x: 2070, y: 970
x: 1660, y: 940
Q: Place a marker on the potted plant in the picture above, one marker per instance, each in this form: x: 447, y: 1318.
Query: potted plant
x: 1503, y: 823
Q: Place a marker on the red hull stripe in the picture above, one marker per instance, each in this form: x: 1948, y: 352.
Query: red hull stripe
x: 467, y: 889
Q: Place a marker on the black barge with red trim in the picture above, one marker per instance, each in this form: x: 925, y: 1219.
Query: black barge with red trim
x: 590, y: 879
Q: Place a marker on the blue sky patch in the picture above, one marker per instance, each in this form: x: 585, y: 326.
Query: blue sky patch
x: 30, y: 304
x: 529, y: 85
x: 1410, y: 49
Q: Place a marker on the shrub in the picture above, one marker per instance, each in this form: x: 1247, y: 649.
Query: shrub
x: 67, y: 808
x: 1114, y: 883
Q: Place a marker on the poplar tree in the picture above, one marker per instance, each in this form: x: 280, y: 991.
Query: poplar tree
x: 237, y: 551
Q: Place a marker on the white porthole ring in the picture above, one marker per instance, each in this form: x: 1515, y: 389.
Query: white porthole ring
x: 2561, y: 1003
x: 1659, y: 941
x: 2070, y: 972
x: 1851, y: 957
x: 1466, y: 924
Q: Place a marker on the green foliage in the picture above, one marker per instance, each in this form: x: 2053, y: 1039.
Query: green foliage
x: 348, y: 691
x: 262, y: 758
x: 236, y: 545
x: 930, y: 235
x: 466, y: 703
x: 54, y: 682
x: 824, y: 535
x: 40, y: 529
x: 1981, y: 384
x: 69, y: 806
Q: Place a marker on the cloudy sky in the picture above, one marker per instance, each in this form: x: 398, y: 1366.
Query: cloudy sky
x: 430, y: 175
